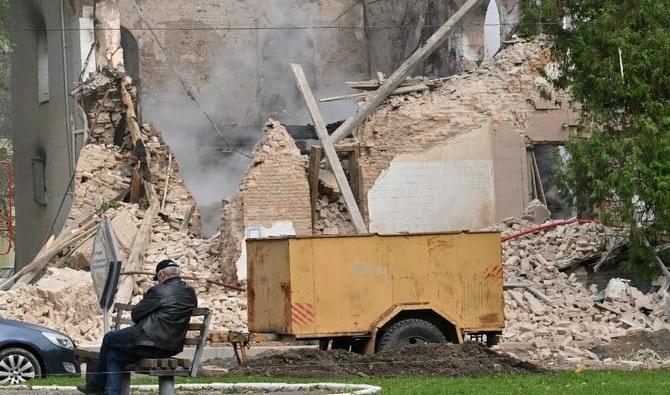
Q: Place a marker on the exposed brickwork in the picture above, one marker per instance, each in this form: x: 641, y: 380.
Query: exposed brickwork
x: 275, y: 188
x: 232, y: 235
x: 500, y: 91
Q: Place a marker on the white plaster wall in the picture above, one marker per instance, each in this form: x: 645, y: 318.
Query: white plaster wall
x: 447, y: 188
x: 283, y: 228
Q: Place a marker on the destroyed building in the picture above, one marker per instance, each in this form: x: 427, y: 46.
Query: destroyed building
x: 180, y: 55
x: 466, y: 151
x: 460, y: 155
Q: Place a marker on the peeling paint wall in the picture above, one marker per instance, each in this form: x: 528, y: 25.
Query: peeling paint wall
x: 450, y: 187
x: 398, y: 142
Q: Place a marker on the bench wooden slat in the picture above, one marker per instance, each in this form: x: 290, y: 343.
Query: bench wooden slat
x: 123, y: 321
x: 200, y: 311
x: 192, y: 341
x: 196, y: 326
x: 123, y: 306
x: 86, y: 354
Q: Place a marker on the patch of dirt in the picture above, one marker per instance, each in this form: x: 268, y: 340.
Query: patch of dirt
x: 428, y: 360
x: 627, y: 346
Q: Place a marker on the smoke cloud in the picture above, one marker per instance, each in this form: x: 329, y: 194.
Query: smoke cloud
x: 249, y: 80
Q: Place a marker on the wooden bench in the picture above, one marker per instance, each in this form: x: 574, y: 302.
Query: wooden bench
x: 164, y: 368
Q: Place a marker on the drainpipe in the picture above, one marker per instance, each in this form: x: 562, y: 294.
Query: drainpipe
x: 66, y: 84
x: 69, y: 132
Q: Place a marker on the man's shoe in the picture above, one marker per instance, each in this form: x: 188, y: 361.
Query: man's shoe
x: 91, y: 389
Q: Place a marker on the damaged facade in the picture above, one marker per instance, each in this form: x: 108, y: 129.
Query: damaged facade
x: 180, y: 51
x: 460, y: 154
x: 458, y: 157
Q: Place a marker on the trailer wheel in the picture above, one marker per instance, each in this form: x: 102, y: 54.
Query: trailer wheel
x: 410, y: 332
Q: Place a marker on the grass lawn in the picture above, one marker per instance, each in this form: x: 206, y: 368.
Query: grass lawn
x: 583, y: 383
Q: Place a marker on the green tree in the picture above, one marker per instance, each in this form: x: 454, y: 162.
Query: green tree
x: 614, y: 57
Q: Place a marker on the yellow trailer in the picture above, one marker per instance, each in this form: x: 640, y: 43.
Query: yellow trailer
x: 372, y: 292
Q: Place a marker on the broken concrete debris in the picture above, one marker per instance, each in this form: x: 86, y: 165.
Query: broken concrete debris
x: 536, y: 212
x: 552, y: 313
x: 102, y: 187
x: 571, y: 315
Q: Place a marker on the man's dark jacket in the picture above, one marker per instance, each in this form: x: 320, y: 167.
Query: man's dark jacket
x: 162, y: 317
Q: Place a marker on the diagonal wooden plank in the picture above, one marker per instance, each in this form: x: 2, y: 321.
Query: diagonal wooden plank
x: 396, y: 79
x: 329, y: 150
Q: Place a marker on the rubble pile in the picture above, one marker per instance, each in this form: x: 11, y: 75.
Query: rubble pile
x: 102, y: 188
x: 63, y: 299
x: 556, y: 312
x: 332, y: 217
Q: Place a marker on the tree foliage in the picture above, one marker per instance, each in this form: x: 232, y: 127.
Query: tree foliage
x: 620, y: 162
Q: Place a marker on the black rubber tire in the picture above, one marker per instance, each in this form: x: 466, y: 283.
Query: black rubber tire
x: 21, y: 357
x: 409, y: 332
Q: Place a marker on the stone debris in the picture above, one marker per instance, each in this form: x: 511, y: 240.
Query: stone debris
x: 568, y: 313
x: 64, y: 298
x: 274, y: 189
x: 536, y: 212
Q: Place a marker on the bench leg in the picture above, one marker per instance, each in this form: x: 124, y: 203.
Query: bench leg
x: 166, y: 385
x: 90, y: 368
x: 125, y: 384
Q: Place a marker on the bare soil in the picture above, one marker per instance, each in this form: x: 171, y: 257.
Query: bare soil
x: 466, y: 359
x: 625, y: 347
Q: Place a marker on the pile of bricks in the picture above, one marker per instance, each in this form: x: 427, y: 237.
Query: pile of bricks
x: 101, y: 183
x: 553, y: 314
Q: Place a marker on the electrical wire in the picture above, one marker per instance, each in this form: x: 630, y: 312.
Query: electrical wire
x: 297, y: 27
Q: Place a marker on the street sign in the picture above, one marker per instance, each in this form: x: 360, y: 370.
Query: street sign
x: 105, y: 265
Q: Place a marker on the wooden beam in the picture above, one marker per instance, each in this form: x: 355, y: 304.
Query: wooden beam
x: 136, y: 185
x: 315, y: 155
x: 131, y: 115
x: 187, y: 218
x: 538, y: 180
x: 136, y: 254
x: 399, y: 91
x: 394, y: 81
x: 329, y: 149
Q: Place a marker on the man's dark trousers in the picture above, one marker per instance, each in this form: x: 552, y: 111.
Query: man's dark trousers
x: 117, y: 351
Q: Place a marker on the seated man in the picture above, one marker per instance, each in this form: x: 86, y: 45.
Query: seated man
x: 161, y: 322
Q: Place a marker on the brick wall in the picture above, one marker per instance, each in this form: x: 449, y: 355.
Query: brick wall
x: 275, y: 188
x: 501, y: 91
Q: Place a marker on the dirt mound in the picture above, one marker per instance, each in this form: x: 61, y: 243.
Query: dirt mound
x: 626, y: 347
x: 430, y: 360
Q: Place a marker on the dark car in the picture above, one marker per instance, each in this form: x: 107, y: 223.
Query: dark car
x: 30, y: 351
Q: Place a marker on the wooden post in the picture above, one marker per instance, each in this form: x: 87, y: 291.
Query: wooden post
x: 131, y: 115
x: 136, y: 254
x: 136, y: 185
x: 187, y: 218
x: 329, y: 149
x: 315, y: 155
x: 394, y: 81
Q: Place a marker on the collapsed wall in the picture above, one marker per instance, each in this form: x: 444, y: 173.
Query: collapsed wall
x: 553, y: 313
x: 274, y: 199
x: 103, y: 187
x: 474, y: 131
